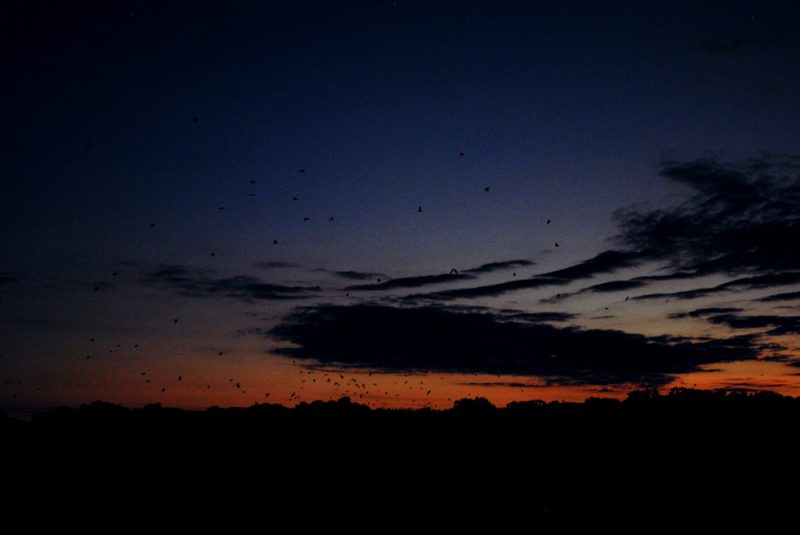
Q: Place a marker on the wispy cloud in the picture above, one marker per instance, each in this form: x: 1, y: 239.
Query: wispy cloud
x: 758, y: 282
x: 774, y: 325
x: 604, y: 262
x: 739, y: 221
x: 786, y: 296
x: 276, y: 265
x: 704, y: 312
x: 353, y: 275
x: 411, y: 282
x: 421, y: 281
x: 605, y: 287
x: 200, y: 283
x: 499, y: 266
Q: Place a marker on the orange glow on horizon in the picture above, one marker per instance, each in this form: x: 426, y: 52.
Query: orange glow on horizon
x: 244, y: 381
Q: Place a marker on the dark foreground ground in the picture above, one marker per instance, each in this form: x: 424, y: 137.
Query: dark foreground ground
x: 656, y: 456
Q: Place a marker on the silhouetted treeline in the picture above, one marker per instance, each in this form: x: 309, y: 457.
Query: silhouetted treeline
x: 642, y: 409
x: 684, y: 451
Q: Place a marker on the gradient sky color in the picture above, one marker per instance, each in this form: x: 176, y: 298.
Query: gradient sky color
x: 152, y: 155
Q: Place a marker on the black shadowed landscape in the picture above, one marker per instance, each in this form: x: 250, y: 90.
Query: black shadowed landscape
x: 606, y: 457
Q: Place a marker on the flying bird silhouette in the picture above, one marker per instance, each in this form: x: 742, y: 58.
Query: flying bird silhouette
x: 195, y: 119
x: 548, y: 221
x: 486, y: 189
x: 454, y: 271
x: 301, y: 171
x: 419, y: 209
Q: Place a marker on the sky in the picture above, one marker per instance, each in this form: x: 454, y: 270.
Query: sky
x: 208, y: 203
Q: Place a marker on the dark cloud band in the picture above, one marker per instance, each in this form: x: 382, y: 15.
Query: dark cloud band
x: 451, y: 340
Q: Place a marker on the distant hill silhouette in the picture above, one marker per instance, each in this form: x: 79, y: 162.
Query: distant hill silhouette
x: 684, y: 452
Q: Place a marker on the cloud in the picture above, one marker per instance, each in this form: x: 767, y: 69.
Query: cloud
x: 510, y: 384
x: 604, y: 262
x: 454, y: 340
x: 786, y: 296
x: 534, y: 317
x: 490, y: 290
x: 276, y: 265
x: 739, y: 221
x: 354, y: 275
x: 410, y: 282
x: 734, y: 318
x: 429, y: 280
x: 499, y: 266
x: 677, y: 275
x: 704, y: 312
x: 622, y: 285
x: 200, y: 283
x: 758, y: 282
x: 345, y: 274
x: 605, y: 287
x: 776, y: 325
x: 614, y: 286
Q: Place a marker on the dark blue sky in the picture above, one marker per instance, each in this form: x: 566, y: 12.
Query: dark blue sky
x: 565, y: 111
